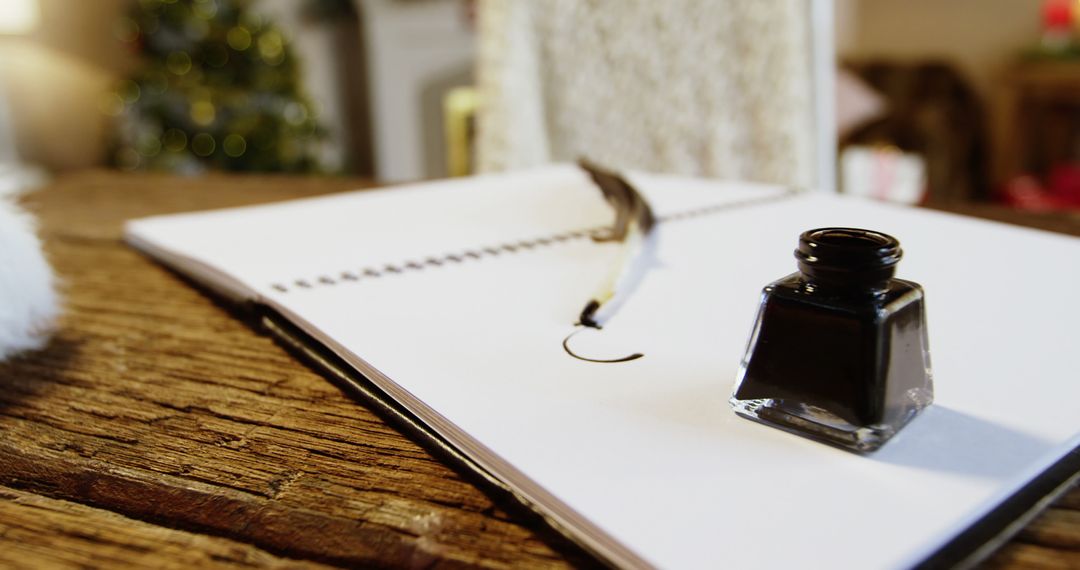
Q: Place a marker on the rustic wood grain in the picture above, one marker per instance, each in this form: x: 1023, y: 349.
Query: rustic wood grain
x: 156, y: 404
x: 41, y: 532
x: 158, y: 430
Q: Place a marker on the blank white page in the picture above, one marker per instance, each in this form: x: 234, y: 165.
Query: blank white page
x: 647, y: 455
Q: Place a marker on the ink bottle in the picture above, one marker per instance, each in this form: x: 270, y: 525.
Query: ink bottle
x: 839, y: 349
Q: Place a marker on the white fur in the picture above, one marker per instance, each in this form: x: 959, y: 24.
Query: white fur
x: 28, y: 300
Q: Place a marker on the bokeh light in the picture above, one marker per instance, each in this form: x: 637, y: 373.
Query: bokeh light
x: 178, y: 62
x: 174, y: 140
x: 203, y: 144
x: 239, y: 38
x: 234, y: 145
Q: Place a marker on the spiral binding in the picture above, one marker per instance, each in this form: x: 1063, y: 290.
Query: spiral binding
x: 437, y: 261
x: 367, y: 273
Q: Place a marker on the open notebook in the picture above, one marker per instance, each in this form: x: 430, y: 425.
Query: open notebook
x: 452, y: 298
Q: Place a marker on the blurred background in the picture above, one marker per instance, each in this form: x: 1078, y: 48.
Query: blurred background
x: 967, y: 100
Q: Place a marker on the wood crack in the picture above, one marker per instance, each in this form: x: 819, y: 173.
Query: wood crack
x: 208, y: 509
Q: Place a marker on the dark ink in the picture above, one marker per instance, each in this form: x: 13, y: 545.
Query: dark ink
x: 566, y: 347
x: 839, y: 350
x: 586, y: 318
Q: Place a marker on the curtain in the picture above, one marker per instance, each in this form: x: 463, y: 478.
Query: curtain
x: 719, y: 88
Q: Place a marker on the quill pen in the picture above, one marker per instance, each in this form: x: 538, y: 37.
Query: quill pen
x: 634, y: 224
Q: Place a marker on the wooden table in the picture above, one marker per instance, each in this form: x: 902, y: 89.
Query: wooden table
x: 157, y: 430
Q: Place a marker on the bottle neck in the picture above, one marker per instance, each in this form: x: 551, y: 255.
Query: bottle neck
x: 847, y: 260
x: 829, y: 287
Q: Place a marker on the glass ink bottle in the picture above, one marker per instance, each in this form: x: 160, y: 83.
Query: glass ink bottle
x: 839, y: 350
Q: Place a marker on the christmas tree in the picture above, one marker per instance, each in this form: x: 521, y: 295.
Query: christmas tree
x: 218, y: 88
